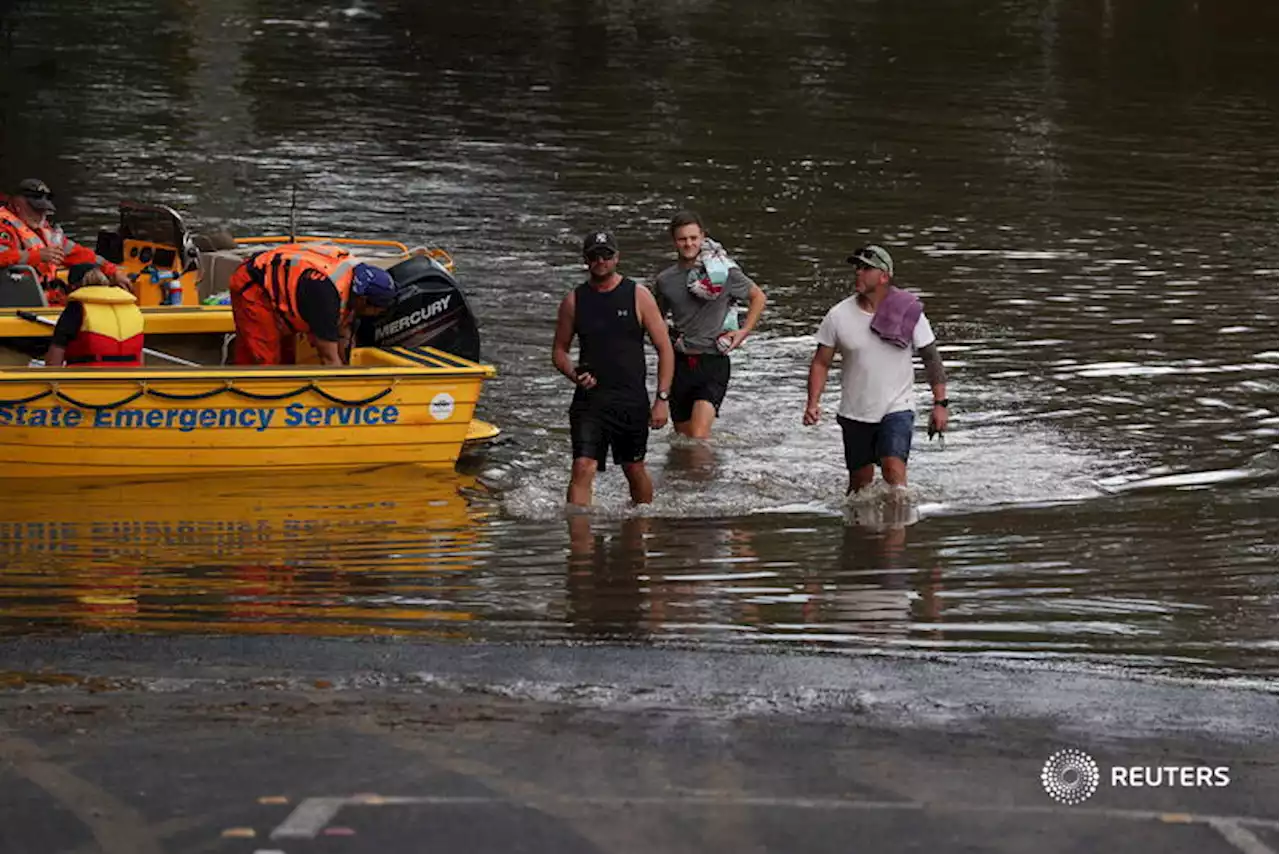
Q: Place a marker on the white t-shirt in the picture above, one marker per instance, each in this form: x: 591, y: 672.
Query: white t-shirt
x: 877, y: 376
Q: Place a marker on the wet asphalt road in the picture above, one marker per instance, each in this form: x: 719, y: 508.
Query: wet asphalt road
x: 257, y: 745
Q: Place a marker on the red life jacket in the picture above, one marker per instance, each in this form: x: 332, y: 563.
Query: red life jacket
x: 111, y: 334
x: 279, y: 272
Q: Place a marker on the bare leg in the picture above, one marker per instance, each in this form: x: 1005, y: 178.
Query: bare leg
x: 640, y: 482
x: 699, y: 424
x: 581, y: 480
x: 894, y: 471
x: 861, y: 478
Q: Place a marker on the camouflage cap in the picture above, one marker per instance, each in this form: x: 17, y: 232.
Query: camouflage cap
x: 37, y: 194
x: 873, y: 256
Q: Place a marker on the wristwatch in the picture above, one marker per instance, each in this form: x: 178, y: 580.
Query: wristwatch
x: 943, y: 403
x: 664, y: 395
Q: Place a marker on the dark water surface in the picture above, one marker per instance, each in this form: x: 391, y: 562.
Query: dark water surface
x: 1083, y: 193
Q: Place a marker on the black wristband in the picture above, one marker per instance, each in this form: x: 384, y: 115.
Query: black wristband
x: 943, y: 403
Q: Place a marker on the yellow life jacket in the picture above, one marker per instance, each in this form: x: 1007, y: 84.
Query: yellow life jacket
x: 111, y: 334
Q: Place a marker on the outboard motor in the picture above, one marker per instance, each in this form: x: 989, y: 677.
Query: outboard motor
x: 430, y: 311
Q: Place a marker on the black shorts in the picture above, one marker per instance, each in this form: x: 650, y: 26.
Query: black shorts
x: 703, y: 376
x: 596, y: 430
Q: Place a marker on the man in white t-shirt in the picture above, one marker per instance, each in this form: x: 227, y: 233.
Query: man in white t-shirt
x: 877, y: 402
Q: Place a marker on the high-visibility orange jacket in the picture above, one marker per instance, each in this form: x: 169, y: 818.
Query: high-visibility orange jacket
x: 111, y: 333
x: 279, y: 272
x: 21, y: 244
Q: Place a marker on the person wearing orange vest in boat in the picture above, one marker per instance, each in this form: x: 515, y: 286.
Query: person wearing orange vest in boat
x: 303, y: 289
x: 27, y: 237
x: 101, y: 326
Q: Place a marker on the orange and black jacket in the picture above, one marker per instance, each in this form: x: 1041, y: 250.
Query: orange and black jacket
x: 279, y: 273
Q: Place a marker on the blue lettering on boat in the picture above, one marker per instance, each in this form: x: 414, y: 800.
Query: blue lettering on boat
x: 297, y: 415
x: 188, y: 419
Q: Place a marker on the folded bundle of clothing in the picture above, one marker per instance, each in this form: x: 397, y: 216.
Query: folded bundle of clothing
x: 896, y: 317
x: 706, y: 280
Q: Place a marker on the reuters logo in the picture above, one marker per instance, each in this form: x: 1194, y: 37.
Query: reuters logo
x: 1070, y: 776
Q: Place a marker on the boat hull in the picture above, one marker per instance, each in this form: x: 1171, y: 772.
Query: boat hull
x: 390, y: 406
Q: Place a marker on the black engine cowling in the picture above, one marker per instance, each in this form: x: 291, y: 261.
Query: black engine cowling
x: 430, y: 310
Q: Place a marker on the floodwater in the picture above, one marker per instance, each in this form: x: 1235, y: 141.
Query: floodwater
x: 1084, y: 194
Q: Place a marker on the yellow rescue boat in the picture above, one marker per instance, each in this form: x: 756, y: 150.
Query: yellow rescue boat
x: 173, y: 276
x: 389, y: 406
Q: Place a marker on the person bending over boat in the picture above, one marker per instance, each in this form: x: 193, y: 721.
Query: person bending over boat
x: 27, y: 237
x: 610, y: 315
x: 697, y: 292
x: 303, y: 289
x: 101, y: 326
x: 876, y: 331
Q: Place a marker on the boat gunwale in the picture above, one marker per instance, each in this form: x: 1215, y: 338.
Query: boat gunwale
x: 26, y: 374
x: 12, y: 310
x: 23, y: 375
x: 264, y: 239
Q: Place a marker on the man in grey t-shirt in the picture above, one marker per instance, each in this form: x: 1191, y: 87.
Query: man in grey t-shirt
x: 697, y: 326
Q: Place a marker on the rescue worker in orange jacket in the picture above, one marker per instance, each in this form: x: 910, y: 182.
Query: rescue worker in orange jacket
x: 101, y: 326
x: 27, y: 237
x: 303, y: 288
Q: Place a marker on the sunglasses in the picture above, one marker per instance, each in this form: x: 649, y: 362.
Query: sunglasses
x: 860, y: 261
x: 35, y: 195
x: 600, y: 255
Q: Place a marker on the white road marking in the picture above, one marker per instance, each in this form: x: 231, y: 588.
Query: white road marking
x: 309, y: 818
x: 311, y: 815
x: 1239, y: 837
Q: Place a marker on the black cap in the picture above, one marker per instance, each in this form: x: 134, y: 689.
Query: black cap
x: 37, y: 194
x: 599, y: 240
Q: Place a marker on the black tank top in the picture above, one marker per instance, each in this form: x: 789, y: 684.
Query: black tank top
x: 610, y: 345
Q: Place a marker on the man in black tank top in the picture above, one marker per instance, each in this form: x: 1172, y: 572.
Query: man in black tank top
x: 609, y: 315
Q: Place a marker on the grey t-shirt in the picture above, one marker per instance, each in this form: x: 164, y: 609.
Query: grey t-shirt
x: 698, y: 320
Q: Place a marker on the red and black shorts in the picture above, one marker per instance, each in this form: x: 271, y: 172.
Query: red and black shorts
x: 703, y: 376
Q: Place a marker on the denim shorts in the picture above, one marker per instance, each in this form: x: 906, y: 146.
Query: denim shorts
x: 867, y: 443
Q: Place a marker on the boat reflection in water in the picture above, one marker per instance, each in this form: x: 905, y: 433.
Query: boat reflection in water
x: 379, y: 551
